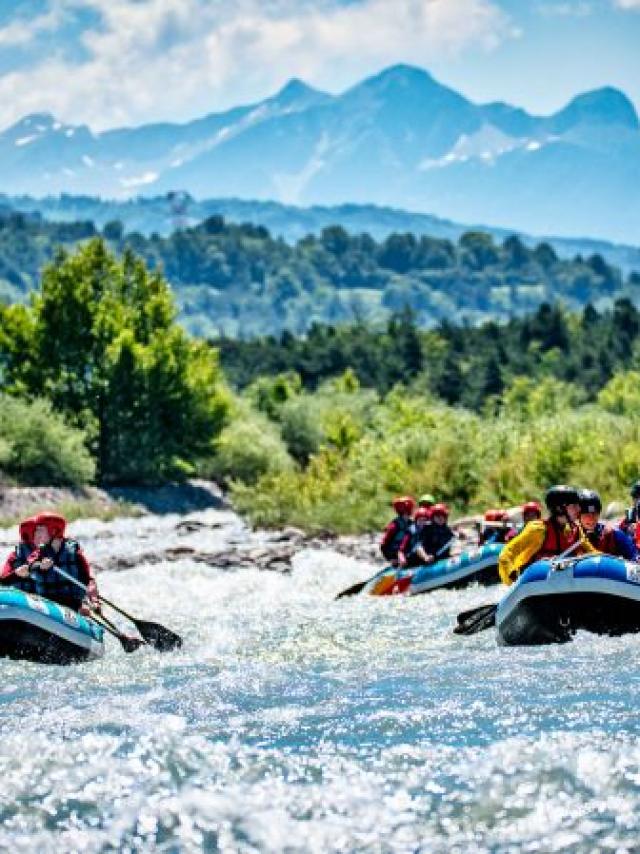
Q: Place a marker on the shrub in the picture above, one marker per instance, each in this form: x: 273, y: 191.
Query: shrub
x: 38, y: 448
x: 247, y: 449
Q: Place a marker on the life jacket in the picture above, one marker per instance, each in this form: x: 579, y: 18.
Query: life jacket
x: 394, y: 535
x: 556, y: 540
x: 630, y: 526
x: 613, y: 542
x: 435, y: 538
x: 51, y: 585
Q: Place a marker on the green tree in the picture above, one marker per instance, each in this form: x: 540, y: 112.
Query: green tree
x: 105, y: 349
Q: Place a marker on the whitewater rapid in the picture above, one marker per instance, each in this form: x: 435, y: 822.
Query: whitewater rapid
x: 290, y: 722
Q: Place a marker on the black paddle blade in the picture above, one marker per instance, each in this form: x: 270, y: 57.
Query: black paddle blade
x: 354, y: 589
x: 475, y: 613
x: 476, y: 620
x: 157, y: 636
x: 130, y: 644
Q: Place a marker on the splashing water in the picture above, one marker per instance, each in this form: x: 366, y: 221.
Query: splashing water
x: 291, y: 722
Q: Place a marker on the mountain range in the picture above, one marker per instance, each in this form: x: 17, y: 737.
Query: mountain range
x: 399, y: 139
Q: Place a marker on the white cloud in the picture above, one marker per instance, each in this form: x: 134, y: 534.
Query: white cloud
x: 21, y: 32
x: 581, y: 9
x: 633, y: 5
x: 153, y: 59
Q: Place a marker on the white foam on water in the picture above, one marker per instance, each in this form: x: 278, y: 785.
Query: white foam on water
x: 292, y: 722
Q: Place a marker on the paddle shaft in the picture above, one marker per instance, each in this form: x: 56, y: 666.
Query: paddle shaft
x: 85, y: 588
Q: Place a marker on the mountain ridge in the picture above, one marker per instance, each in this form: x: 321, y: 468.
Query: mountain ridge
x: 399, y: 138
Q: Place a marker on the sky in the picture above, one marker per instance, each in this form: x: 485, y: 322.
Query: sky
x: 113, y: 63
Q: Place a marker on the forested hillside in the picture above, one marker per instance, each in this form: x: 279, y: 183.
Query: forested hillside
x: 462, y: 365
x: 238, y: 281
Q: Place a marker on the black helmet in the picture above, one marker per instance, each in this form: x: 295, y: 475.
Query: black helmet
x: 590, y: 501
x: 559, y: 496
x: 635, y: 489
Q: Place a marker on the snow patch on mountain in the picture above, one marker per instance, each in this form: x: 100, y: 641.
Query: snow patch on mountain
x: 290, y: 186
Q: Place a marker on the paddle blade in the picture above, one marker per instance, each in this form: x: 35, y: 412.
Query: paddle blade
x: 483, y: 618
x: 157, y: 636
x: 354, y: 589
x: 474, y: 613
x: 130, y: 644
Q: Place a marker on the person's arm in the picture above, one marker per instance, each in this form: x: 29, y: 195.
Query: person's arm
x: 11, y: 570
x: 625, y: 546
x: 88, y: 576
x: 8, y: 570
x: 520, y: 550
x: 387, y: 535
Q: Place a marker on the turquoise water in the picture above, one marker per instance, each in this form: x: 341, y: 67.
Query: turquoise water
x: 292, y: 723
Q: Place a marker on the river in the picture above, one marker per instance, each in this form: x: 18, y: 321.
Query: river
x: 290, y: 722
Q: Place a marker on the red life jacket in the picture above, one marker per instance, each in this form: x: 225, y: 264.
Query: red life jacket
x: 557, y: 539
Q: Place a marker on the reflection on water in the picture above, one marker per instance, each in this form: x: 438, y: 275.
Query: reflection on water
x: 291, y: 722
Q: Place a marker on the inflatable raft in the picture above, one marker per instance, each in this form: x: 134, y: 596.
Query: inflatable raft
x: 552, y: 600
x: 36, y: 629
x: 479, y: 565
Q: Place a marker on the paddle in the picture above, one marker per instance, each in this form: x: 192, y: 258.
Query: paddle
x: 155, y: 634
x: 484, y: 616
x: 128, y: 644
x: 356, y: 588
x: 158, y: 636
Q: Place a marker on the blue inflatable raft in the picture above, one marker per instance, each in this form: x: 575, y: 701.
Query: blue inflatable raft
x: 474, y: 565
x: 36, y: 629
x: 552, y: 600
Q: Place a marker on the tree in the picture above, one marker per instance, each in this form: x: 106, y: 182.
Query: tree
x: 105, y: 349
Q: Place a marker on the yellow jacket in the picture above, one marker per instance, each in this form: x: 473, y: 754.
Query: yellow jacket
x: 521, y: 550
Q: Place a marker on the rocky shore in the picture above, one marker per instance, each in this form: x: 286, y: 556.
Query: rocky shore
x: 16, y: 502
x: 201, y: 510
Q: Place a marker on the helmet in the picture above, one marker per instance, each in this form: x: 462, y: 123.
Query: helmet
x: 423, y: 513
x: 439, y: 510
x: 27, y: 529
x: 559, y: 496
x: 532, y: 507
x: 427, y: 498
x: 496, y: 516
x: 635, y: 489
x: 590, y: 501
x: 404, y: 504
x: 54, y: 524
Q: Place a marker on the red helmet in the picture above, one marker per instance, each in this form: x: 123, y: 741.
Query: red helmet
x: 27, y: 529
x: 532, y: 508
x: 440, y: 510
x: 55, y: 524
x: 423, y: 513
x: 496, y: 516
x: 404, y: 504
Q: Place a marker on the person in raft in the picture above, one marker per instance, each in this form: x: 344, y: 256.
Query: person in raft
x: 427, y: 500
x: 603, y: 537
x: 408, y: 551
x: 396, y: 530
x: 531, y: 511
x: 432, y: 540
x: 546, y: 537
x: 496, y: 528
x: 629, y: 524
x: 37, y: 574
x: 20, y: 554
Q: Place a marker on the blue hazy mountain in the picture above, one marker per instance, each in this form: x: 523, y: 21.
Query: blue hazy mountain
x: 398, y: 139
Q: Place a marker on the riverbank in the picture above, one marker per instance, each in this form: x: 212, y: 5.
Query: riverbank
x: 91, y: 502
